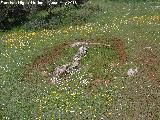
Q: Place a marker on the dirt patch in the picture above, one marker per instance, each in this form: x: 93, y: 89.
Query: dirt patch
x: 120, y: 47
x: 150, y: 64
x: 50, y: 56
x: 98, y: 82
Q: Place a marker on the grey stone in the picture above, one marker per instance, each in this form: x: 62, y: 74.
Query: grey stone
x: 61, y: 70
x: 75, y: 65
x: 132, y: 72
x: 81, y: 52
x: 79, y: 44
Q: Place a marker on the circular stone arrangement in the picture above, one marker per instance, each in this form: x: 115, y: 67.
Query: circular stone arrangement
x: 74, y: 65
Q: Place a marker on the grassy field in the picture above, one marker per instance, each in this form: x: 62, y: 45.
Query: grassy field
x: 101, y: 90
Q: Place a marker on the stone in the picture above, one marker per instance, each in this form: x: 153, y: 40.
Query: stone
x: 77, y: 57
x: 61, y: 70
x: 82, y: 50
x: 132, y: 72
x: 79, y: 44
x: 75, y: 65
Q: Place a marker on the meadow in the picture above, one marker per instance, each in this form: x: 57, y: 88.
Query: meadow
x: 101, y: 89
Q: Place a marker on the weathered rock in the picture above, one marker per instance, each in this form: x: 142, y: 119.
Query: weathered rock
x: 79, y: 44
x: 132, y: 72
x: 75, y: 65
x: 77, y: 57
x: 81, y: 52
x: 61, y: 70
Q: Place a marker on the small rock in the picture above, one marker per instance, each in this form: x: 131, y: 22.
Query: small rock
x: 77, y: 57
x: 82, y: 50
x: 79, y: 44
x: 132, y: 72
x: 61, y: 70
x: 75, y: 65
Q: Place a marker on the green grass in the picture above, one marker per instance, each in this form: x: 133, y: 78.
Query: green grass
x: 124, y: 98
